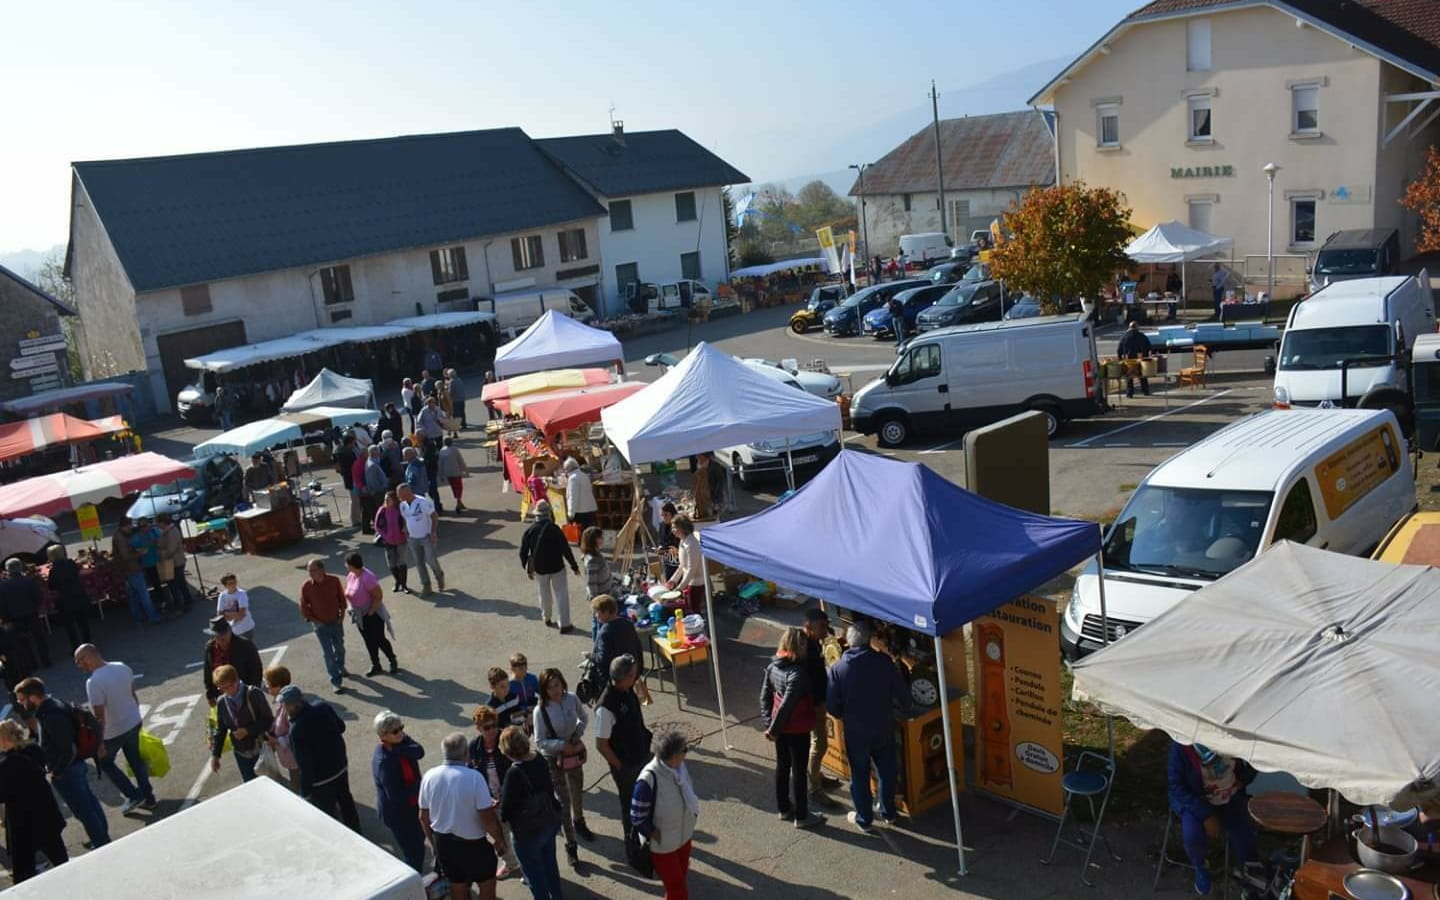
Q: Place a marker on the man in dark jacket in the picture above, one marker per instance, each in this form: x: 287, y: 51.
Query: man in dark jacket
x: 223, y: 650
x: 20, y: 602
x: 1207, y: 794
x: 817, y: 629
x: 345, y: 464
x: 395, y: 768
x: 54, y: 721
x: 865, y: 687
x: 319, y: 748
x: 617, y: 635
x: 544, y: 553
x: 1134, y: 345
x: 620, y: 733
x: 243, y: 715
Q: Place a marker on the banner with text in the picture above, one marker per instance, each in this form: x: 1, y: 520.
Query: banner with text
x: 1018, y: 704
x: 826, y: 237
x: 87, y: 516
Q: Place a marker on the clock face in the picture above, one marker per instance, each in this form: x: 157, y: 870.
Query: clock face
x: 924, y: 692
x: 992, y: 650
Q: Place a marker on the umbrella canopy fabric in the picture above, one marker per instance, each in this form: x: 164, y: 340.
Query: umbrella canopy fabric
x: 712, y: 400
x: 50, y: 494
x: 901, y: 544
x: 19, y: 439
x: 554, y: 341
x: 1301, y: 661
x: 1171, y: 242
x: 252, y: 437
x: 561, y: 410
x: 332, y: 389
x: 535, y: 382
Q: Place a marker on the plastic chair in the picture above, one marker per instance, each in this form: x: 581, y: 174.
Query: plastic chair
x: 1167, y: 860
x: 1081, y: 782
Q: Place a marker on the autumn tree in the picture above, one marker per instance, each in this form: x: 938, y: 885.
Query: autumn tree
x: 1062, y: 242
x: 1422, y: 197
x: 817, y: 205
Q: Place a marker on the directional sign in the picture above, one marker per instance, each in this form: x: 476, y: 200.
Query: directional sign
x: 42, y: 345
x: 35, y: 371
x: 32, y: 362
x: 45, y: 383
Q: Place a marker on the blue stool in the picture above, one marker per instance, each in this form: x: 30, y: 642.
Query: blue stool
x: 1088, y: 784
x: 1167, y: 860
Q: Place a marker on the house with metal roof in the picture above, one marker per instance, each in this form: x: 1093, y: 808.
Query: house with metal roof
x: 1184, y: 104
x: 988, y: 162
x: 33, y: 351
x: 665, y: 197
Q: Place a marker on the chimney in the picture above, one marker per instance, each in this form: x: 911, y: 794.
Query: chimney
x: 617, y: 132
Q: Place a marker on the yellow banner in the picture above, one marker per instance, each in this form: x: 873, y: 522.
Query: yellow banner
x: 87, y: 516
x: 826, y: 237
x: 1018, y: 703
x: 1356, y: 469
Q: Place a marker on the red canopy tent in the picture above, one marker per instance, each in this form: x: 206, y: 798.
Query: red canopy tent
x: 49, y: 494
x: 562, y: 410
x: 19, y: 439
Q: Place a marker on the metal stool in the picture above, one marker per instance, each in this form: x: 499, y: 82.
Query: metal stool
x: 1087, y: 784
x: 1167, y: 860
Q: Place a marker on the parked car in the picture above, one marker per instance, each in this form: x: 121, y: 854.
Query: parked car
x: 820, y: 384
x: 877, y: 321
x: 808, y: 453
x: 949, y: 272
x: 1026, y: 307
x: 218, y: 481
x: 27, y: 538
x: 964, y: 304
x: 925, y: 247
x: 844, y: 319
x: 1356, y: 253
x: 823, y: 299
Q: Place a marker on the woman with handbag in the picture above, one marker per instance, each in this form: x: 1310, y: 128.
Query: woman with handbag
x: 390, y: 533
x: 789, y: 715
x: 367, y: 608
x: 560, y: 721
x: 528, y: 806
x: 172, y: 562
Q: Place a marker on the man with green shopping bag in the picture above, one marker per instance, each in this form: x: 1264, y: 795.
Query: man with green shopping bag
x: 111, y: 691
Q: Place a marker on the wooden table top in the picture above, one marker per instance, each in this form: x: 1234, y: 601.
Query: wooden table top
x: 1286, y: 813
x: 683, y: 653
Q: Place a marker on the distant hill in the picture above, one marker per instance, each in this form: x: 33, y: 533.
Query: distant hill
x: 26, y: 263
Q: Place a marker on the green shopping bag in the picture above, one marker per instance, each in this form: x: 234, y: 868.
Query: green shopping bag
x: 214, y: 726
x: 152, y: 750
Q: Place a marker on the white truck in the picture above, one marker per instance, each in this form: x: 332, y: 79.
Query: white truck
x: 518, y: 310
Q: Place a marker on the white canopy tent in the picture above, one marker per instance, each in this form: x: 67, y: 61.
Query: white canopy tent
x: 358, y: 334
x: 252, y: 437
x: 332, y: 389
x: 711, y: 399
x: 443, y: 320
x: 1171, y: 242
x: 1301, y: 661
x: 556, y: 341
x: 784, y: 265
x: 232, y: 358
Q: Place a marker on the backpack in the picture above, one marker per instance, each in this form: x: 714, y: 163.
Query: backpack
x: 87, y: 733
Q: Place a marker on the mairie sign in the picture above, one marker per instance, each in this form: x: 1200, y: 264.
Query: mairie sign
x: 1201, y: 171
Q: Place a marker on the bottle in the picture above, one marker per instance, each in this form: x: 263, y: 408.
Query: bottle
x: 677, y: 631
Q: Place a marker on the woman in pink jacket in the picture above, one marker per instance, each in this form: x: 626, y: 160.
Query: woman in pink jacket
x: 276, y: 678
x: 390, y: 530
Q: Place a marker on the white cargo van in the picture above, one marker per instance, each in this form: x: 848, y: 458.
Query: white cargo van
x: 1348, y: 344
x: 517, y: 310
x: 1337, y: 479
x: 924, y: 247
x: 953, y: 379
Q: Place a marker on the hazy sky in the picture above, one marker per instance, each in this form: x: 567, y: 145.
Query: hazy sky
x: 757, y: 82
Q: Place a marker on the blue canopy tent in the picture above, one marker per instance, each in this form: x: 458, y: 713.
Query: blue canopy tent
x: 907, y: 546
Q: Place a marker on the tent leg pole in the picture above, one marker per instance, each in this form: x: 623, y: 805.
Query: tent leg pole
x: 789, y: 466
x: 950, y: 753
x: 715, y: 650
x: 1105, y: 639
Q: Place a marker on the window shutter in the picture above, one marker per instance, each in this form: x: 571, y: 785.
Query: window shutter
x: 435, y: 266
x: 462, y: 270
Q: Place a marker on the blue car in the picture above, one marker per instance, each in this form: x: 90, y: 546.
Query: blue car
x: 845, y: 319
x: 877, y: 321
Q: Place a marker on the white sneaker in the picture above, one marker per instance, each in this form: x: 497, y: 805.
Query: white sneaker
x: 130, y: 806
x: 855, y: 820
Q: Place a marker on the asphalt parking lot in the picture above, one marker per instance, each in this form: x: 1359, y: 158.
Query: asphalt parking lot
x: 446, y: 643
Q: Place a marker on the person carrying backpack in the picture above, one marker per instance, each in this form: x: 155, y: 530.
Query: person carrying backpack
x: 69, y: 736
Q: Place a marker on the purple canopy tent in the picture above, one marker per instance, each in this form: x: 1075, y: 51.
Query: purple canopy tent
x: 907, y: 546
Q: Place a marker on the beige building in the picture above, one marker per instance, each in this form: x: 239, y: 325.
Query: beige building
x: 1182, y: 104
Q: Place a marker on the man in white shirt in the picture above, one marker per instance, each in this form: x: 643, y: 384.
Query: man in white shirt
x: 421, y: 524
x: 234, y: 604
x: 457, y: 812
x: 110, y: 690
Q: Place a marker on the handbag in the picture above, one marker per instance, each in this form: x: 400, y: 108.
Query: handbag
x: 269, y: 764
x: 165, y: 569
x: 564, y: 763
x: 153, y: 754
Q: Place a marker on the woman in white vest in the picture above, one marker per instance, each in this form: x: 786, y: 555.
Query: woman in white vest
x: 664, y: 808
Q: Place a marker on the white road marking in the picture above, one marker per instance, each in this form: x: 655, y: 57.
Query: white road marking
x: 941, y: 448
x: 194, y: 793
x: 1146, y: 420
x: 176, y: 718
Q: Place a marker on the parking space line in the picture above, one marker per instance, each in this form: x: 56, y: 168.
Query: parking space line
x: 1147, y: 420
x: 194, y: 793
x: 941, y: 448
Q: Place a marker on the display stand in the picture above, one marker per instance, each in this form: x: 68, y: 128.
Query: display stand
x: 269, y: 529
x: 614, y: 503
x: 922, y: 781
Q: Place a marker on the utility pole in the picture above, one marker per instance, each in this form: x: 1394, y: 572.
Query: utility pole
x: 939, y: 165
x: 864, y: 220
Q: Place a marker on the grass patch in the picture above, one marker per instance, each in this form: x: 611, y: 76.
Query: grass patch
x: 1128, y: 487
x: 1141, y: 756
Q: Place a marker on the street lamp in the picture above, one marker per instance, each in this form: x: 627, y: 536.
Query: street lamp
x: 1270, y: 169
x: 864, y: 224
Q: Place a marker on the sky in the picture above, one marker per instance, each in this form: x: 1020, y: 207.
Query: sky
x: 763, y: 84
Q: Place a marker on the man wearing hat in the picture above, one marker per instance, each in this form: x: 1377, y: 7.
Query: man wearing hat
x: 544, y: 553
x: 316, y: 739
x: 224, y: 650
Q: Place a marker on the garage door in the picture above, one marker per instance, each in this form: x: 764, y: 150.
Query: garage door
x: 179, y: 346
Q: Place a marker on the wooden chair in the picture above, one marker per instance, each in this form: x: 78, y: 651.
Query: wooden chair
x: 1195, y: 375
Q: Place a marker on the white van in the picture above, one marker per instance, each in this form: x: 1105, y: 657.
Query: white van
x: 953, y: 379
x: 518, y: 310
x: 1337, y: 479
x: 924, y: 247
x: 1348, y: 344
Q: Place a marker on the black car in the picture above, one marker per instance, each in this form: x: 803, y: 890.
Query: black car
x: 845, y: 319
x: 948, y: 272
x: 967, y: 303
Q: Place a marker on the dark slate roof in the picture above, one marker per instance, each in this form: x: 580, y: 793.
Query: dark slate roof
x: 64, y: 308
x: 645, y: 163
x: 178, y: 220
x: 1007, y: 150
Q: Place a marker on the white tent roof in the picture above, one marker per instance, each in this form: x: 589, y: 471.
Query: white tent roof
x: 283, y: 847
x: 232, y: 358
x: 359, y: 334
x: 252, y: 437
x: 442, y: 320
x: 782, y: 266
x: 332, y: 389
x: 1301, y: 661
x: 556, y: 341
x: 710, y: 400
x: 1171, y: 242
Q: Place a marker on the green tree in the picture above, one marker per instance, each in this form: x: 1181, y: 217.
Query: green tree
x: 731, y: 233
x: 1061, y: 242
x: 817, y: 205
